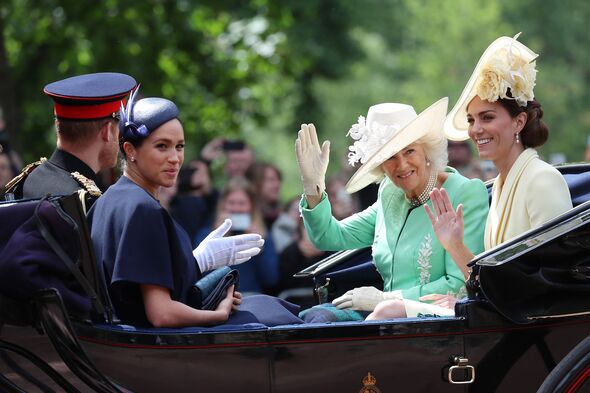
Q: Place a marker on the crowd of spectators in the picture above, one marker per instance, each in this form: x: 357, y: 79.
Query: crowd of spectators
x: 249, y: 192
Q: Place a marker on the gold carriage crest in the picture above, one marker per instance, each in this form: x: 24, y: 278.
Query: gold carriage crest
x: 370, y: 383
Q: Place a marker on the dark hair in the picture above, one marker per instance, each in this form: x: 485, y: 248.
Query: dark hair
x: 535, y: 132
x: 140, y: 119
x: 79, y: 131
x: 136, y: 142
x: 255, y: 173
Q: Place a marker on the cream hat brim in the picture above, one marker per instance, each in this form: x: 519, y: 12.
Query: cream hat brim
x: 429, y: 121
x: 456, y: 125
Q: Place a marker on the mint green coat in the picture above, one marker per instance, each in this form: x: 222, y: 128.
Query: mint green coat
x: 405, y: 249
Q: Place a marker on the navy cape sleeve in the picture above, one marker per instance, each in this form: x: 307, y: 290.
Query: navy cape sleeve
x: 137, y: 243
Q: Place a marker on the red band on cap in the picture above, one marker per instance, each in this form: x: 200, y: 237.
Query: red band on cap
x: 87, y: 111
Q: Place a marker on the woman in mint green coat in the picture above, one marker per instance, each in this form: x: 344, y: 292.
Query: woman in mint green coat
x: 407, y: 153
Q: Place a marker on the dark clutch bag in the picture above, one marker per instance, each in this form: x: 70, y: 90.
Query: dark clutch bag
x: 210, y: 290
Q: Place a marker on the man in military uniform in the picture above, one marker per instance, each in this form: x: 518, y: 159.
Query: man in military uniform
x: 87, y: 124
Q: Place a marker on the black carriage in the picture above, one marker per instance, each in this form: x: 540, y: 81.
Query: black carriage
x: 523, y: 328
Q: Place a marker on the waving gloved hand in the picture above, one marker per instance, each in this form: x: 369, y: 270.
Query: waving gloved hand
x: 312, y: 160
x: 364, y: 298
x: 216, y: 251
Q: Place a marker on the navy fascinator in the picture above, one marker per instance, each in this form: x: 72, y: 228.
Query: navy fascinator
x: 141, y: 118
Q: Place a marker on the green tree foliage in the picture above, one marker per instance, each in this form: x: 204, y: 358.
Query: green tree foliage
x: 222, y: 61
x: 256, y: 69
x: 235, y: 68
x: 416, y: 51
x: 557, y: 31
x: 427, y: 51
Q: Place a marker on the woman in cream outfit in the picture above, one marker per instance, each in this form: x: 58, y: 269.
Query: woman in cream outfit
x: 498, y: 111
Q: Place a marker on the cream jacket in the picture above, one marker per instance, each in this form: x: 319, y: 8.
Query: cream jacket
x: 533, y: 193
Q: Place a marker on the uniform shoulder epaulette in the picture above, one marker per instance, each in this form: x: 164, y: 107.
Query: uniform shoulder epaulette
x: 88, y: 184
x: 11, y: 185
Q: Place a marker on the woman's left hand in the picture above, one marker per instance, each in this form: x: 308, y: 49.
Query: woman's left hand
x: 227, y: 304
x: 446, y: 222
x: 237, y: 300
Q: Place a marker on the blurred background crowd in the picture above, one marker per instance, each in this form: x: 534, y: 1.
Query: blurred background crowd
x: 246, y: 73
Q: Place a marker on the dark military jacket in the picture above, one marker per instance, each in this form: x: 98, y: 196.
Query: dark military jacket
x: 62, y: 174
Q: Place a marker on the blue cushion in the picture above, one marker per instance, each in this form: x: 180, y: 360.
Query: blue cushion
x: 579, y: 185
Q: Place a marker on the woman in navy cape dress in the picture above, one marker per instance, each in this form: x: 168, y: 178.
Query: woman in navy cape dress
x: 145, y: 257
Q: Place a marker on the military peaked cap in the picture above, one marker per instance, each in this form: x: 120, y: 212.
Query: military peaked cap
x: 90, y: 96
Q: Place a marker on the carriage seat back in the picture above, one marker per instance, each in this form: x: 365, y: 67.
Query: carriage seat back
x: 45, y: 244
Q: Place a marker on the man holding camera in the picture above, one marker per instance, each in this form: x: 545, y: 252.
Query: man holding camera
x: 193, y: 206
x: 238, y: 156
x: 196, y: 195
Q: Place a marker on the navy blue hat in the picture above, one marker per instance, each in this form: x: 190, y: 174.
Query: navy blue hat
x: 141, y: 118
x: 90, y: 96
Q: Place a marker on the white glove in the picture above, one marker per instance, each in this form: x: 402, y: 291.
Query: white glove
x: 312, y: 161
x: 217, y: 251
x: 364, y: 298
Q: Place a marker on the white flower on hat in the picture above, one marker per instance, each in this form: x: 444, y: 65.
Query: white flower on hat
x: 505, y: 69
x: 493, y: 80
x: 368, y: 140
x: 523, y: 83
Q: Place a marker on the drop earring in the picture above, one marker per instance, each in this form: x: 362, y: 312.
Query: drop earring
x: 517, y: 138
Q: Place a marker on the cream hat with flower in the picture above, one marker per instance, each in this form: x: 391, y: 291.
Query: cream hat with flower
x: 506, y: 63
x: 388, y: 128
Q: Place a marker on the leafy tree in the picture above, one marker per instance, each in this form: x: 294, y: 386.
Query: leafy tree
x: 427, y: 51
x: 235, y: 68
x: 256, y: 69
x: 557, y: 31
x: 418, y: 51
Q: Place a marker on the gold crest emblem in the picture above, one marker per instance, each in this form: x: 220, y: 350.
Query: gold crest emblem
x: 370, y: 384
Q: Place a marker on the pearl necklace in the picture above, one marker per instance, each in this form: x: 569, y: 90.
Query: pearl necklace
x: 425, y: 194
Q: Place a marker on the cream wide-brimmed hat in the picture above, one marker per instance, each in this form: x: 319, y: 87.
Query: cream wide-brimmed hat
x: 506, y: 63
x: 389, y: 128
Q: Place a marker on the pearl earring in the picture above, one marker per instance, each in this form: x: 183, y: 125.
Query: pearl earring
x: 517, y: 138
x: 427, y: 163
x: 132, y: 159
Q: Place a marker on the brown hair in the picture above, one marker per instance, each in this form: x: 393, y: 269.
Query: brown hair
x: 78, y: 131
x: 236, y: 184
x: 256, y: 174
x: 535, y: 132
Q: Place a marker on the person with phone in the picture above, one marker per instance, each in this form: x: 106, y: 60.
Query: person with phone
x: 239, y: 203
x: 229, y: 145
x: 238, y: 155
x: 194, y: 204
